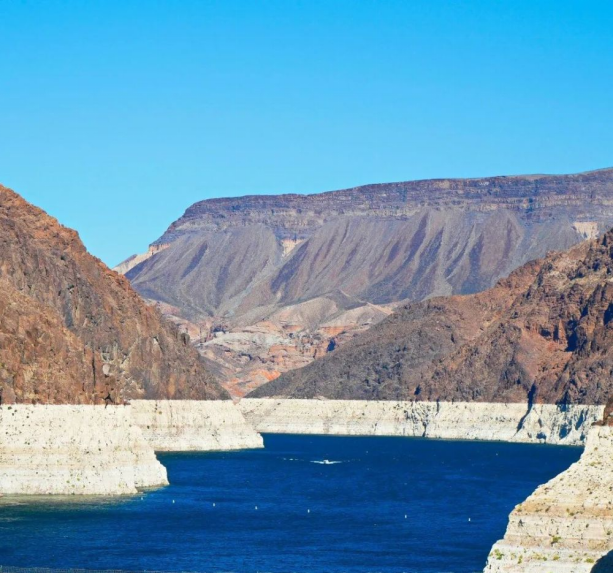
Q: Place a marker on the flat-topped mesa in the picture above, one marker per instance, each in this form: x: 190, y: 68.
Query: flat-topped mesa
x: 266, y: 284
x: 566, y: 525
x: 294, y: 215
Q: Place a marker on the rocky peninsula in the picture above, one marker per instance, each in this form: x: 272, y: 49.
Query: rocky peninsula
x: 74, y: 450
x: 566, y: 525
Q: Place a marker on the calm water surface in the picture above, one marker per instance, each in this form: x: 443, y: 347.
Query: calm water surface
x: 386, y: 504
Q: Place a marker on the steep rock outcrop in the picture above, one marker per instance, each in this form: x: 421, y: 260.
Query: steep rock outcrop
x: 228, y: 267
x: 194, y: 425
x: 73, y: 331
x: 74, y: 450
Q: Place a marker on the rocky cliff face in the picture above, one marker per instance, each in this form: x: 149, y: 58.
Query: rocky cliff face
x: 545, y: 334
x: 194, y: 425
x: 541, y: 423
x: 266, y: 284
x: 74, y: 332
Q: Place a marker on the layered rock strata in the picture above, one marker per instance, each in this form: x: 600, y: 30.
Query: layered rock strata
x: 70, y: 449
x: 566, y: 525
x: 544, y: 423
x: 185, y: 425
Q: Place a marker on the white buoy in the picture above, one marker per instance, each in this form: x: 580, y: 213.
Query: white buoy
x: 469, y: 519
x: 308, y: 511
x: 213, y: 505
x: 173, y: 501
x: 256, y: 506
x: 405, y: 516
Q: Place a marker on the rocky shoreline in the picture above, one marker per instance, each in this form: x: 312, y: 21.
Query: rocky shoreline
x: 541, y: 423
x: 74, y: 450
x: 98, y: 450
x: 566, y: 525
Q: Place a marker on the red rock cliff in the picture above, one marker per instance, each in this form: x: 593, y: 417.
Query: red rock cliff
x: 73, y: 331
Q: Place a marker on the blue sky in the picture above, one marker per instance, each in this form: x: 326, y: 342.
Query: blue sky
x: 115, y: 116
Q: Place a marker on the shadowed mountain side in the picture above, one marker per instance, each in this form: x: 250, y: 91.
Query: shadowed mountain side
x: 73, y: 331
x: 545, y: 334
x: 228, y: 266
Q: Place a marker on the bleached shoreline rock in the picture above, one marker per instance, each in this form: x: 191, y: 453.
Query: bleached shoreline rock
x: 74, y: 450
x: 566, y: 525
x: 542, y: 423
x: 194, y: 425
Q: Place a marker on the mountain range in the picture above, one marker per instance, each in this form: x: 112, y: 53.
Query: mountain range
x: 542, y: 335
x: 267, y: 284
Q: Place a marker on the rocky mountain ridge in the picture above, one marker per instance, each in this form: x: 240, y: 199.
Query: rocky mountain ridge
x: 265, y: 284
x: 543, y: 335
x: 74, y: 332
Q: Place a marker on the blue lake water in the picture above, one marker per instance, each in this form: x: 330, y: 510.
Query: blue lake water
x: 390, y: 505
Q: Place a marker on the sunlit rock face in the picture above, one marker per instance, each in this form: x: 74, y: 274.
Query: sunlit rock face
x: 543, y: 335
x: 74, y: 332
x: 194, y: 425
x: 266, y: 284
x: 543, y: 423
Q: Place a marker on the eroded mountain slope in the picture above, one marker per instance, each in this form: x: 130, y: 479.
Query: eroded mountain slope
x: 544, y: 334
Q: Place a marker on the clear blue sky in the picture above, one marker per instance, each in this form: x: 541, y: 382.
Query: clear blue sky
x: 117, y: 115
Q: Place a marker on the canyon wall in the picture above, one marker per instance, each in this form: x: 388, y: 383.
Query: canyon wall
x: 74, y: 449
x: 566, y: 525
x: 190, y: 425
x: 542, y: 423
x: 544, y: 334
